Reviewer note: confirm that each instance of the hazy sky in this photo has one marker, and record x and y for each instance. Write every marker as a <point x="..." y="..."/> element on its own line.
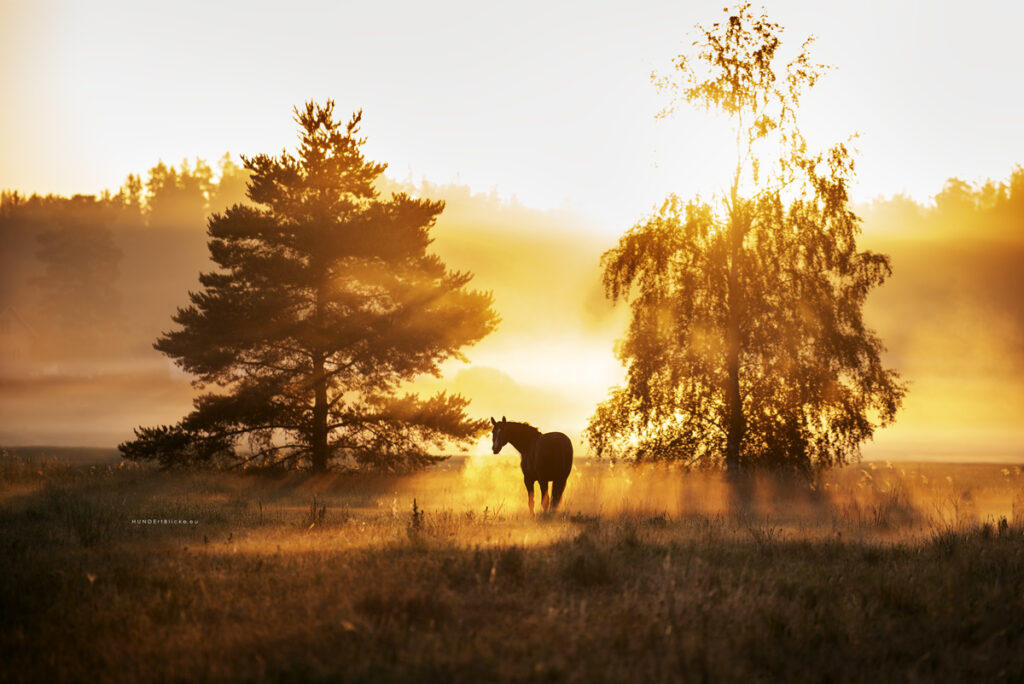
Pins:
<point x="547" y="101"/>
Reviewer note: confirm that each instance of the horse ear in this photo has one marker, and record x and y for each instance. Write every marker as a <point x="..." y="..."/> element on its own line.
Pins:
<point x="503" y="419"/>
<point x="493" y="422"/>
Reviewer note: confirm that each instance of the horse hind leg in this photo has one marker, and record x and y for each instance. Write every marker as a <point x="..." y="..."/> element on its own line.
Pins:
<point x="544" y="500"/>
<point x="558" y="488"/>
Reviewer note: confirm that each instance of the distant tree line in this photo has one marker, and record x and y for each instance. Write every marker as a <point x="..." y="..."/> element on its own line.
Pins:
<point x="992" y="210"/>
<point x="64" y="259"/>
<point x="87" y="270"/>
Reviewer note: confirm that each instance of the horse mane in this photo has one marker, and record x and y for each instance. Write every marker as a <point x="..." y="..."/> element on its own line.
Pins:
<point x="521" y="427"/>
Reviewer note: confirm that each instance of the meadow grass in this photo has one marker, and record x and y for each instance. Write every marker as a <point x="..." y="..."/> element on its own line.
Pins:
<point x="871" y="573"/>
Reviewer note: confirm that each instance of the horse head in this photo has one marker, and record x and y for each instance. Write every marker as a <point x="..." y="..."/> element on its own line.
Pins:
<point x="499" y="435"/>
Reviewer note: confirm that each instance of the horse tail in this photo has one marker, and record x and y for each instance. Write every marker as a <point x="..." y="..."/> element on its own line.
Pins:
<point x="565" y="454"/>
<point x="562" y="466"/>
<point x="557" y="489"/>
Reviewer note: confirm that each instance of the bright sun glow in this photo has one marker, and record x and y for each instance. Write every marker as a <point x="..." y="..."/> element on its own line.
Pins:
<point x="535" y="122"/>
<point x="553" y="116"/>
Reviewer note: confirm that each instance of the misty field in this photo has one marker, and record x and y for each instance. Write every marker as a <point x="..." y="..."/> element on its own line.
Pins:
<point x="876" y="572"/>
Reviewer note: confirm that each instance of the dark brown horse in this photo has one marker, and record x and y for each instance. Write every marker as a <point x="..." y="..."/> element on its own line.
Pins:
<point x="544" y="458"/>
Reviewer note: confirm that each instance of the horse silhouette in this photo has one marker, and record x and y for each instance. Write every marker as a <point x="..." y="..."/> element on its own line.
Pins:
<point x="544" y="458"/>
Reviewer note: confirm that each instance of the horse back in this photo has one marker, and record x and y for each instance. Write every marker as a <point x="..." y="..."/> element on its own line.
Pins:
<point x="553" y="456"/>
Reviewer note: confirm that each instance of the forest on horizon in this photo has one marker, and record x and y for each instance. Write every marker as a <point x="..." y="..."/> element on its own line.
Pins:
<point x="88" y="282"/>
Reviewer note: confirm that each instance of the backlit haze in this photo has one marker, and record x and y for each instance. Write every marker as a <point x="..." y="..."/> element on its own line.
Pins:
<point x="535" y="121"/>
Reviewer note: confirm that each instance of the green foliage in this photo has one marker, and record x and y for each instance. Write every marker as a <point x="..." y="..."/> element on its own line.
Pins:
<point x="326" y="301"/>
<point x="747" y="345"/>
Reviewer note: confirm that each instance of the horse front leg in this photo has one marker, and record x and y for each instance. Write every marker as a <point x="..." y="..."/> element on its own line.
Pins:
<point x="529" y="492"/>
<point x="544" y="499"/>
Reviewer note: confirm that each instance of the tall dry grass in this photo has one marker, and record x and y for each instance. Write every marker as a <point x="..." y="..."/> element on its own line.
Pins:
<point x="891" y="572"/>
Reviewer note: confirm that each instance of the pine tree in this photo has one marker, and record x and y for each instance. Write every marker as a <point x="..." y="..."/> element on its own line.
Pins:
<point x="325" y="302"/>
<point x="747" y="345"/>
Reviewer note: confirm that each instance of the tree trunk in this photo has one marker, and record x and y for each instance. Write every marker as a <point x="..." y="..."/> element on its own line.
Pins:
<point x="733" y="342"/>
<point x="319" y="432"/>
<point x="733" y="399"/>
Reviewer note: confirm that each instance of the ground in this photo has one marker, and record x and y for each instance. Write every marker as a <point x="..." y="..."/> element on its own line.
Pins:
<point x="874" y="572"/>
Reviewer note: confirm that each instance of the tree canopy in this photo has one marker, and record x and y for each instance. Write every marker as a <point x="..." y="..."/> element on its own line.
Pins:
<point x="325" y="303"/>
<point x="747" y="345"/>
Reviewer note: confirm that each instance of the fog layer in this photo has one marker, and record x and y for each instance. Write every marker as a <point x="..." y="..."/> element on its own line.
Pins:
<point x="88" y="283"/>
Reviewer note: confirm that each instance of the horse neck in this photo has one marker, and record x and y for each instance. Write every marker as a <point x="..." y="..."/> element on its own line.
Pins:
<point x="523" y="438"/>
